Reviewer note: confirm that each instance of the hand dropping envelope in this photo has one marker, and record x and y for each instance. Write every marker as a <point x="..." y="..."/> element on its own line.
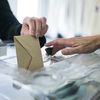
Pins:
<point x="28" y="52"/>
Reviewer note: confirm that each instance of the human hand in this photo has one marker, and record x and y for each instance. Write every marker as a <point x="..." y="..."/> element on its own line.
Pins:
<point x="75" y="45"/>
<point x="34" y="26"/>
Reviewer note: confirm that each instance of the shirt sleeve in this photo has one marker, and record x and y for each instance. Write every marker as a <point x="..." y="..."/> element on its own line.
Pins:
<point x="9" y="25"/>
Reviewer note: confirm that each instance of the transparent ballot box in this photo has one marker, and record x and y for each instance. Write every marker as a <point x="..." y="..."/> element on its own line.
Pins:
<point x="75" y="78"/>
<point x="13" y="90"/>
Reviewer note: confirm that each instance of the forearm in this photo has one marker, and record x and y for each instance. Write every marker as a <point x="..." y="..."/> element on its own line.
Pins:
<point x="9" y="25"/>
<point x="14" y="30"/>
<point x="97" y="41"/>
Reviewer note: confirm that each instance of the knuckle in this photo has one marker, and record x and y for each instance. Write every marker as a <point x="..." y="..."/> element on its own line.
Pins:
<point x="68" y="51"/>
<point x="44" y="19"/>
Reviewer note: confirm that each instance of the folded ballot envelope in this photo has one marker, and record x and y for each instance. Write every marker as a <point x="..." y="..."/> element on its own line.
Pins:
<point x="28" y="52"/>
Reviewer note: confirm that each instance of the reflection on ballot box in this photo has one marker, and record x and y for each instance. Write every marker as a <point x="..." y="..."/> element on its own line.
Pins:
<point x="10" y="54"/>
<point x="3" y="48"/>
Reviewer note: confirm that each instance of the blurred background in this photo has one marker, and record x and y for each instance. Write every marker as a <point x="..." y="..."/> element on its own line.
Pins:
<point x="66" y="18"/>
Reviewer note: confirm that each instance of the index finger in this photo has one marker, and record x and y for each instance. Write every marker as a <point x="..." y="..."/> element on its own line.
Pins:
<point x="63" y="42"/>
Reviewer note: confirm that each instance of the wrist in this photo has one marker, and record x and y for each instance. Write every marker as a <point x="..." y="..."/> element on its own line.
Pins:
<point x="97" y="41"/>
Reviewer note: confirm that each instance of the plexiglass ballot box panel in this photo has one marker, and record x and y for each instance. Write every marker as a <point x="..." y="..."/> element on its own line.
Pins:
<point x="13" y="88"/>
<point x="3" y="48"/>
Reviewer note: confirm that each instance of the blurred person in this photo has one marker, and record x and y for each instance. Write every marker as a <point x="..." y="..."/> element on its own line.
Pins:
<point x="10" y="26"/>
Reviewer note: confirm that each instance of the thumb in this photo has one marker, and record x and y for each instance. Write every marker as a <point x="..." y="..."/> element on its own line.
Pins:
<point x="49" y="43"/>
<point x="70" y="50"/>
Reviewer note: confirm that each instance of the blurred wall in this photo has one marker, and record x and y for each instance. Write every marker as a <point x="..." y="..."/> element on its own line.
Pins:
<point x="13" y="5"/>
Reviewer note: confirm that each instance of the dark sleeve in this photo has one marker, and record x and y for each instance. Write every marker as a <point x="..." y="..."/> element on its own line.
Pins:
<point x="9" y="25"/>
